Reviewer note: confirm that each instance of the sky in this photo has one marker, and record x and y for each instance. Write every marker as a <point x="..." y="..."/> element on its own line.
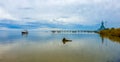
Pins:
<point x="64" y="14"/>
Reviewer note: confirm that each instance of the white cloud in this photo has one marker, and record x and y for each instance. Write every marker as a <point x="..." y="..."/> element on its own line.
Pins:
<point x="5" y="15"/>
<point x="84" y="12"/>
<point x="45" y="29"/>
<point x="70" y="20"/>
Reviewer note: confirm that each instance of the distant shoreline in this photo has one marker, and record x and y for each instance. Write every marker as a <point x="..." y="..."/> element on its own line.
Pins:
<point x="110" y="32"/>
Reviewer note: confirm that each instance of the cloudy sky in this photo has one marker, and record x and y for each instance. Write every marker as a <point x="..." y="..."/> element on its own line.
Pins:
<point x="59" y="13"/>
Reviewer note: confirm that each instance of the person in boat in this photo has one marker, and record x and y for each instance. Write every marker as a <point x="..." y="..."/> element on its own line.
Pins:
<point x="64" y="40"/>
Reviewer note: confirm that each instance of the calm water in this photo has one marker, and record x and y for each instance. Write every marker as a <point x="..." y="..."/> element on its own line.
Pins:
<point x="48" y="47"/>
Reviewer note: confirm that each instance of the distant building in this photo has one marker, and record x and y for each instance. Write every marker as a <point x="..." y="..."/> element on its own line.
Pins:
<point x="102" y="27"/>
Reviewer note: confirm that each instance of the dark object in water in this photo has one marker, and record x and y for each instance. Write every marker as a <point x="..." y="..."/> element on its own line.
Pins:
<point x="24" y="32"/>
<point x="66" y="40"/>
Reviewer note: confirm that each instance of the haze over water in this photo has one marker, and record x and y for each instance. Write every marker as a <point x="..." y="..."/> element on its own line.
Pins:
<point x="48" y="47"/>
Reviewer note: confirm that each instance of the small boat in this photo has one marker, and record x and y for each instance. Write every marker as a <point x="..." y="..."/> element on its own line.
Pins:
<point x="24" y="32"/>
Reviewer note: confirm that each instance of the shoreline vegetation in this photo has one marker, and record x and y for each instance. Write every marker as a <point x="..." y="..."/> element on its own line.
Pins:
<point x="112" y="34"/>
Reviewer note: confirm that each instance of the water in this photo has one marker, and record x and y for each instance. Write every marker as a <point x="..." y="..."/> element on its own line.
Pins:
<point x="48" y="47"/>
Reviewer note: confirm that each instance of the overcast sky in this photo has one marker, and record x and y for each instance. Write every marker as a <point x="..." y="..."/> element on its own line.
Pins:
<point x="64" y="12"/>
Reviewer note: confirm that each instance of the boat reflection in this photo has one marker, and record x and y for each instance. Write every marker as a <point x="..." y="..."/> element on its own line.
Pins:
<point x="24" y="33"/>
<point x="64" y="40"/>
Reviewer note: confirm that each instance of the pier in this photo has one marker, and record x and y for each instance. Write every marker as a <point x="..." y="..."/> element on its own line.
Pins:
<point x="72" y="31"/>
<point x="102" y="27"/>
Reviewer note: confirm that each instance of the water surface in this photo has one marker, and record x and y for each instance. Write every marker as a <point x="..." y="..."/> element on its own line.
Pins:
<point x="48" y="47"/>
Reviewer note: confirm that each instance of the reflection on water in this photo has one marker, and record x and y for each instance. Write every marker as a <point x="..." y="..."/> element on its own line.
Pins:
<point x="48" y="47"/>
<point x="24" y="34"/>
<point x="102" y="38"/>
<point x="113" y="38"/>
